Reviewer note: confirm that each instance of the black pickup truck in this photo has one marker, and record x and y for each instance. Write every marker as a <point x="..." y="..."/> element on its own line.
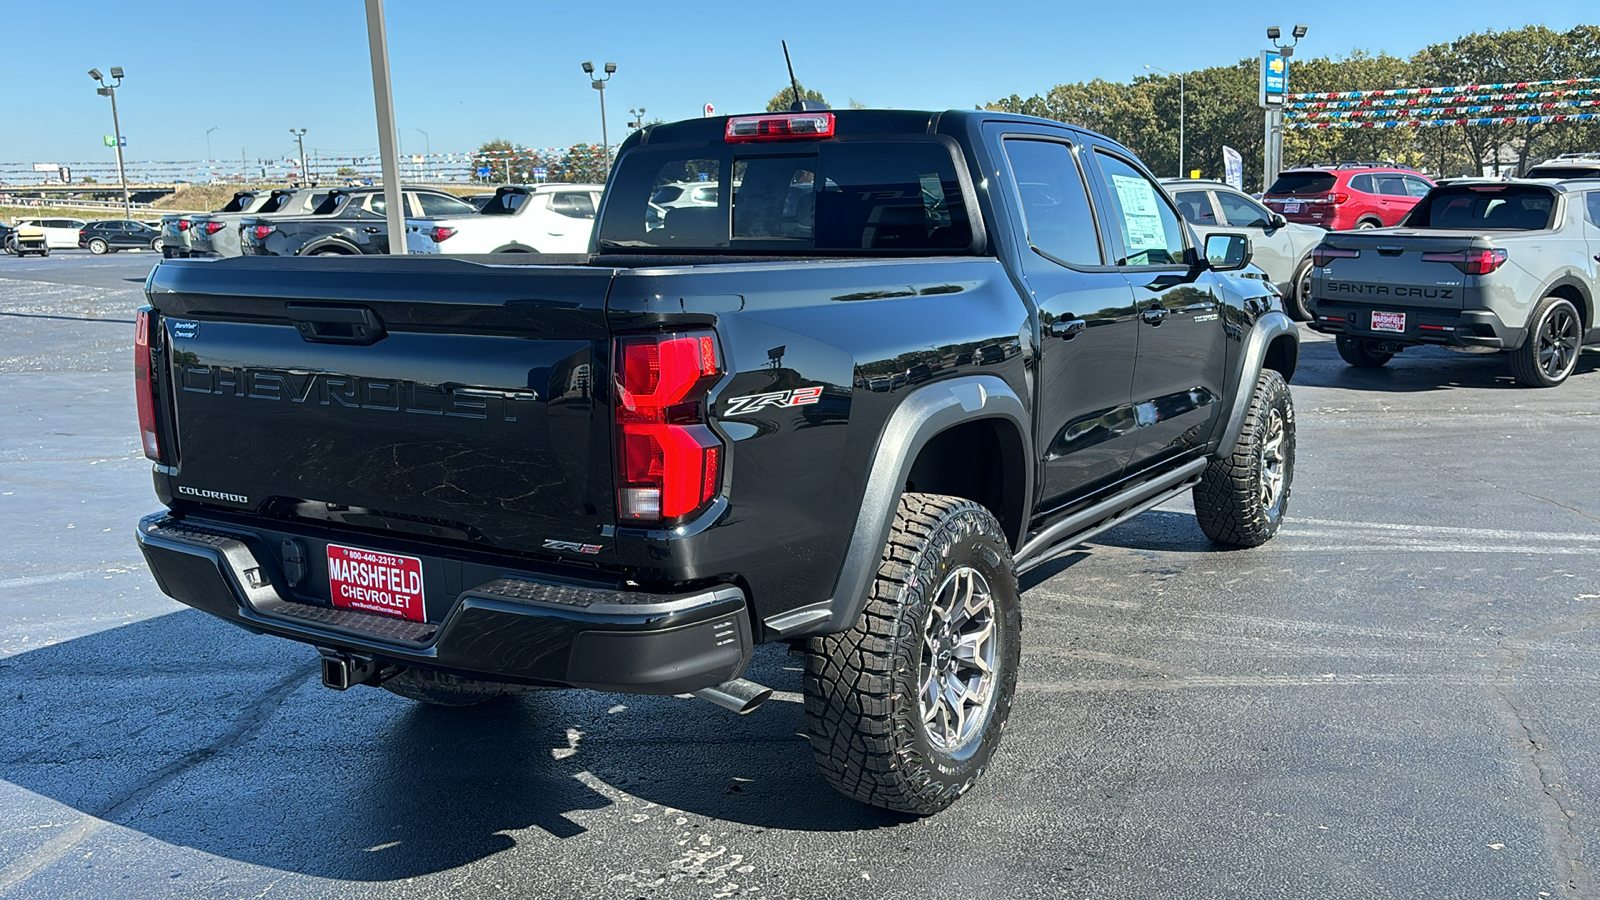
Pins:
<point x="907" y="357"/>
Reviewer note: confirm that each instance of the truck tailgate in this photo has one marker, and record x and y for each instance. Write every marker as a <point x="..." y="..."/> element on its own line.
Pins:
<point x="428" y="396"/>
<point x="1396" y="266"/>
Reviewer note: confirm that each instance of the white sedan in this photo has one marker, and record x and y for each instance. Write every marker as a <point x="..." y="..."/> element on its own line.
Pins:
<point x="549" y="218"/>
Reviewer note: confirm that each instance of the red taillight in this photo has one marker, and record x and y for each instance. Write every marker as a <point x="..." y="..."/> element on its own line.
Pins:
<point x="214" y="227"/>
<point x="440" y="233"/>
<point x="1322" y="253"/>
<point x="1472" y="262"/>
<point x="784" y="127"/>
<point x="83" y="233"/>
<point x="144" y="384"/>
<point x="260" y="232"/>
<point x="183" y="224"/>
<point x="1340" y="198"/>
<point x="668" y="459"/>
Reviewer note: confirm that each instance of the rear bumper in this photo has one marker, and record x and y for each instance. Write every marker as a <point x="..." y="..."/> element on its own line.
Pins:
<point x="1449" y="327"/>
<point x="514" y="626"/>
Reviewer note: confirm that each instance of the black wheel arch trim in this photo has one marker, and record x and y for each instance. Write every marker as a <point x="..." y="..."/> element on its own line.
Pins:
<point x="1569" y="279"/>
<point x="922" y="415"/>
<point x="325" y="243"/>
<point x="1268" y="329"/>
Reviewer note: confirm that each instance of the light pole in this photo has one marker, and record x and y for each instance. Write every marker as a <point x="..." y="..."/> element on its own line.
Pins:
<point x="1272" y="153"/>
<point x="110" y="90"/>
<point x="599" y="84"/>
<point x="427" y="148"/>
<point x="638" y="118"/>
<point x="300" y="139"/>
<point x="1181" y="91"/>
<point x="208" y="141"/>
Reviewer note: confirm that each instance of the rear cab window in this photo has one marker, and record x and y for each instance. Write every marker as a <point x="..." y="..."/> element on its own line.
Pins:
<point x="1510" y="207"/>
<point x="238" y="203"/>
<point x="883" y="197"/>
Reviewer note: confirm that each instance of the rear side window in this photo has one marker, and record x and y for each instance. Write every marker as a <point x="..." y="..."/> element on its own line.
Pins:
<point x="1391" y="185"/>
<point x="1593" y="198"/>
<point x="1303" y="183"/>
<point x="1055" y="205"/>
<point x="440" y="205"/>
<point x="238" y="203"/>
<point x="874" y="196"/>
<point x="1196" y="207"/>
<point x="1151" y="233"/>
<point x="1506" y="207"/>
<point x="329" y="204"/>
<point x="572" y="204"/>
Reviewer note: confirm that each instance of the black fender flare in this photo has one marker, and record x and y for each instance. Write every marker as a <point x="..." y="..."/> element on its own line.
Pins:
<point x="1272" y="325"/>
<point x="922" y="415"/>
<point x="513" y="247"/>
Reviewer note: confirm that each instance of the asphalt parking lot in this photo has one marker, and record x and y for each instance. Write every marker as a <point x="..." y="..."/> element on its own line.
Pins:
<point x="1394" y="698"/>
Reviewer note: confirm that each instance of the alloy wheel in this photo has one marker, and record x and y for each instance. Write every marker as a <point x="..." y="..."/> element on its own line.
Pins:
<point x="1272" y="474"/>
<point x="1558" y="342"/>
<point x="959" y="647"/>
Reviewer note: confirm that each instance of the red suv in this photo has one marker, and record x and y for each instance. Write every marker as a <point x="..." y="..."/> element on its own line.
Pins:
<point x="1346" y="196"/>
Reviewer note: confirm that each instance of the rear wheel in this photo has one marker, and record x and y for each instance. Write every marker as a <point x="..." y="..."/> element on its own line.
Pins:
<point x="158" y="245"/>
<point x="1365" y="224"/>
<point x="905" y="709"/>
<point x="1241" y="499"/>
<point x="1361" y="353"/>
<point x="439" y="689"/>
<point x="98" y="247"/>
<point x="1298" y="298"/>
<point x="1549" y="353"/>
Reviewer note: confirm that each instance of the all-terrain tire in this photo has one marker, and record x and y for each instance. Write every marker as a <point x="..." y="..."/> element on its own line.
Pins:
<point x="1241" y="498"/>
<point x="441" y="689"/>
<point x="1297" y="301"/>
<point x="1550" y="350"/>
<point x="879" y="729"/>
<point x="1358" y="352"/>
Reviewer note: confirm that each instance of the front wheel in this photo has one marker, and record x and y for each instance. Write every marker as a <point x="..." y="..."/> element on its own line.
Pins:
<point x="1361" y="353"/>
<point x="905" y="709"/>
<point x="1549" y="352"/>
<point x="1241" y="498"/>
<point x="98" y="247"/>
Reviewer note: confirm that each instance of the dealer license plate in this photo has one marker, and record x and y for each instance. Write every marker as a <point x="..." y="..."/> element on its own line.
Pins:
<point x="1389" y="321"/>
<point x="1291" y="207"/>
<point x="370" y="581"/>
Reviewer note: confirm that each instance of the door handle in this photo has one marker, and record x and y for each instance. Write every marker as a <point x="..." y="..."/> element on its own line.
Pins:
<point x="1067" y="329"/>
<point x="1155" y="315"/>
<point x="372" y="229"/>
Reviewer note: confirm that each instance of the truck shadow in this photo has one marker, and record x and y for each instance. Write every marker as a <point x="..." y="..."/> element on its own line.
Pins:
<point x="1417" y="369"/>
<point x="232" y="748"/>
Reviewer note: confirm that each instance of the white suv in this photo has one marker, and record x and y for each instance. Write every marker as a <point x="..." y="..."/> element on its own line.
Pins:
<point x="59" y="234"/>
<point x="549" y="218"/>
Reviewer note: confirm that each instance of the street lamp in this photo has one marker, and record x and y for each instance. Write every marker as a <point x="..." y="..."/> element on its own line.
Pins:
<point x="427" y="146"/>
<point x="1179" y="76"/>
<point x="110" y="90"/>
<point x="300" y="139"/>
<point x="208" y="141"/>
<point x="638" y="118"/>
<point x="1273" y="33"/>
<point x="599" y="84"/>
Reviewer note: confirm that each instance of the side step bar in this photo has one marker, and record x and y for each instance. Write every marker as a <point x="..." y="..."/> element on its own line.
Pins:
<point x="1085" y="524"/>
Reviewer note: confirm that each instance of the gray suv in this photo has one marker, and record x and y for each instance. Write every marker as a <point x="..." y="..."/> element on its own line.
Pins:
<point x="1498" y="265"/>
<point x="1281" y="248"/>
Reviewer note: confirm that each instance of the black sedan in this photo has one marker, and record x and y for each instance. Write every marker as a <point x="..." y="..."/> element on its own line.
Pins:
<point x="111" y="235"/>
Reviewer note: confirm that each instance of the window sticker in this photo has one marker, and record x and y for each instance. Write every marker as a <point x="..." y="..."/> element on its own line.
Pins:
<point x="1141" y="214"/>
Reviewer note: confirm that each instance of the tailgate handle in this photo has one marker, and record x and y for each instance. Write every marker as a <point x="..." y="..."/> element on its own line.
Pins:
<point x="325" y="324"/>
<point x="1391" y="251"/>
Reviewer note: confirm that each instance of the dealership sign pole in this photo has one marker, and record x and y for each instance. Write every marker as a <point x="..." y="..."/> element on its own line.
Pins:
<point x="1273" y="86"/>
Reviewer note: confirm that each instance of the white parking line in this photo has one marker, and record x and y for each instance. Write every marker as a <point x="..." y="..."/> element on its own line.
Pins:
<point x="31" y="580"/>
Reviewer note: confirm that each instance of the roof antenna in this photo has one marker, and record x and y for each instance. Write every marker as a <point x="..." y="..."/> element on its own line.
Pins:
<point x="800" y="104"/>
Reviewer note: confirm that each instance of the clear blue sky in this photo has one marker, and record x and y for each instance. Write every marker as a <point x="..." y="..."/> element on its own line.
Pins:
<point x="469" y="71"/>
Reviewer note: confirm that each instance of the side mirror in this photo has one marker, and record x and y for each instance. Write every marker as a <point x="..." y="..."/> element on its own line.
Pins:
<point x="1227" y="252"/>
<point x="1277" y="220"/>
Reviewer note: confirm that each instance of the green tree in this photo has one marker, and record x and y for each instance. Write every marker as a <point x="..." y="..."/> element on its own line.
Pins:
<point x="781" y="101"/>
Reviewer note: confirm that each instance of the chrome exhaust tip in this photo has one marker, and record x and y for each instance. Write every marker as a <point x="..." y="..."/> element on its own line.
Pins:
<point x="739" y="695"/>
